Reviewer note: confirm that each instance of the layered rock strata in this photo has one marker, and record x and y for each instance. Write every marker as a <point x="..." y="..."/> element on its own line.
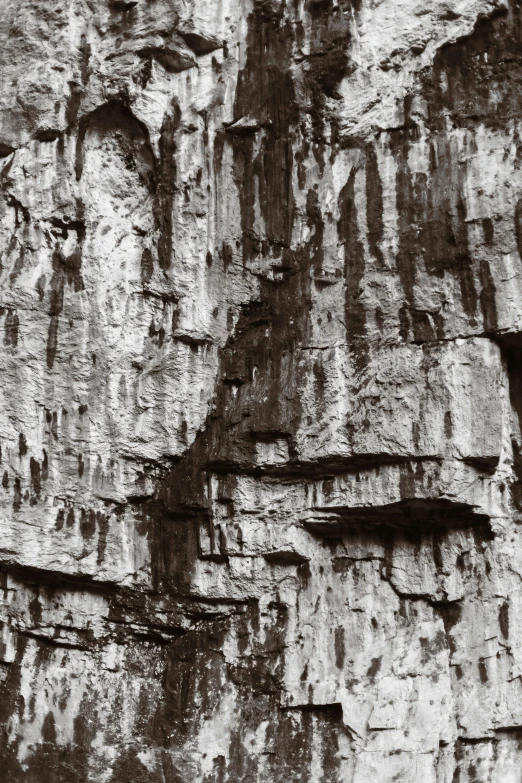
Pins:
<point x="261" y="391"/>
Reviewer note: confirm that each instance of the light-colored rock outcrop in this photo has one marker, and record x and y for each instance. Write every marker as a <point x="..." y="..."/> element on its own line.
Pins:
<point x="261" y="391"/>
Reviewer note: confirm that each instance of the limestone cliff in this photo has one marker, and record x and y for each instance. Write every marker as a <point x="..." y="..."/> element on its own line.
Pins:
<point x="261" y="391"/>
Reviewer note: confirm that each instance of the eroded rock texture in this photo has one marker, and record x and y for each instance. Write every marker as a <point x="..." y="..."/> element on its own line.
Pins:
<point x="261" y="391"/>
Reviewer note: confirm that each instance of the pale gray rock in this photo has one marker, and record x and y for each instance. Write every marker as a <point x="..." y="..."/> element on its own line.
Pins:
<point x="260" y="391"/>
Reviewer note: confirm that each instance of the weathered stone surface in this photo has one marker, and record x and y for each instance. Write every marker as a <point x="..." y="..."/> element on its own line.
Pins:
<point x="261" y="391"/>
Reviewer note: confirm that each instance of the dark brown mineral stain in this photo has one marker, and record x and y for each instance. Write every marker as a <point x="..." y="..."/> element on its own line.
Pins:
<point x="448" y="425"/>
<point x="330" y="727"/>
<point x="265" y="93"/>
<point x="339" y="647"/>
<point x="518" y="226"/>
<point x="147" y="265"/>
<point x="354" y="266"/>
<point x="195" y="673"/>
<point x="20" y="210"/>
<point x="432" y="230"/>
<point x="488" y="230"/>
<point x="60" y="518"/>
<point x="128" y="766"/>
<point x="17" y="494"/>
<point x="374" y="668"/>
<point x="22" y="445"/>
<point x="407" y="481"/>
<point x="258" y="399"/>
<point x="76" y="93"/>
<point x="102" y="523"/>
<point x="12" y="325"/>
<point x="316" y="221"/>
<point x="166" y="185"/>
<point x="374" y="204"/>
<point x="174" y="535"/>
<point x="85" y="51"/>
<point x="473" y="81"/>
<point x="430" y="647"/>
<point x="261" y="365"/>
<point x="51" y="761"/>
<point x="329" y="58"/>
<point x="36" y="476"/>
<point x="88" y="522"/>
<point x="49" y="729"/>
<point x="451" y="614"/>
<point x="483" y="671"/>
<point x="487" y="297"/>
<point x="66" y="270"/>
<point x="512" y="357"/>
<point x="503" y="619"/>
<point x="477" y="68"/>
<point x="13" y="703"/>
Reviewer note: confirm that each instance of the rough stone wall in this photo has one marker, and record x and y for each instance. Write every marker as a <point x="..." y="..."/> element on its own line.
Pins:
<point x="261" y="391"/>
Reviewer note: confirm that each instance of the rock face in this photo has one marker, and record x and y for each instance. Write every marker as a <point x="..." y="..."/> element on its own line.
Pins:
<point x="261" y="391"/>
